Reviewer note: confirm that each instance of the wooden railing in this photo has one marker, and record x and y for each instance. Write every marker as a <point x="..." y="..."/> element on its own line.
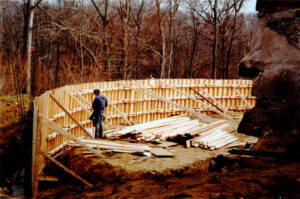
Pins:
<point x="68" y="108"/>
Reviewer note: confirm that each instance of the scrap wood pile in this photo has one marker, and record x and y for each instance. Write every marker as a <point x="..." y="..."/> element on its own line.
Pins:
<point x="107" y="145"/>
<point x="114" y="146"/>
<point x="211" y="136"/>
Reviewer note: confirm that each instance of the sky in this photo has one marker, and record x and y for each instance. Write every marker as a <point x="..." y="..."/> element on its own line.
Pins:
<point x="249" y="6"/>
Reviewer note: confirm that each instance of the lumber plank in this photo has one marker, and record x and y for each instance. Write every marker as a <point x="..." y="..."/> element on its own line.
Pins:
<point x="209" y="126"/>
<point x="78" y="101"/>
<point x="166" y="144"/>
<point x="115" y="144"/>
<point x="65" y="133"/>
<point x="160" y="152"/>
<point x="225" y="110"/>
<point x="66" y="169"/>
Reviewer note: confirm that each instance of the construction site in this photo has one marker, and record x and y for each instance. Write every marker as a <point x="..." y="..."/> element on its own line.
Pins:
<point x="166" y="137"/>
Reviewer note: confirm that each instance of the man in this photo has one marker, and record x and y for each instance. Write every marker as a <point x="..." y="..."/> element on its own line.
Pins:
<point x="99" y="104"/>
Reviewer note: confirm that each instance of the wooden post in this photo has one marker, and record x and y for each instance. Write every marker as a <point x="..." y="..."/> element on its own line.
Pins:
<point x="150" y="93"/>
<point x="35" y="155"/>
<point x="69" y="114"/>
<point x="65" y="133"/>
<point x="66" y="169"/>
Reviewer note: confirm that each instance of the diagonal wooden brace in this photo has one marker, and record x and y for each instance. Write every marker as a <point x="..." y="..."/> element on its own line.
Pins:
<point x="65" y="168"/>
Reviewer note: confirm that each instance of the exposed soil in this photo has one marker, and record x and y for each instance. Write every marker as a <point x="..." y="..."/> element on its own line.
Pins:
<point x="239" y="178"/>
<point x="191" y="173"/>
<point x="12" y="153"/>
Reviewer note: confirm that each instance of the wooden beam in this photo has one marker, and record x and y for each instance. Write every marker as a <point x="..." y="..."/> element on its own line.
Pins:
<point x="196" y="100"/>
<point x="80" y="96"/>
<point x="35" y="156"/>
<point x="209" y="119"/>
<point x="79" y="102"/>
<point x="225" y="110"/>
<point x="122" y="115"/>
<point x="243" y="98"/>
<point x="65" y="133"/>
<point x="208" y="101"/>
<point x="66" y="169"/>
<point x="201" y="116"/>
<point x="69" y="114"/>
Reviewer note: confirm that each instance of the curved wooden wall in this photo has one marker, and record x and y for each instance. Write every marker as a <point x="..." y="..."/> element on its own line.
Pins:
<point x="137" y="107"/>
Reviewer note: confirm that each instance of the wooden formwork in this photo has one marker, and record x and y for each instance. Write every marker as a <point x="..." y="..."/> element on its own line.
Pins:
<point x="67" y="109"/>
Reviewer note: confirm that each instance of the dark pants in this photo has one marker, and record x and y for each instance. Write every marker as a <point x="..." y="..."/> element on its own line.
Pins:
<point x="98" y="124"/>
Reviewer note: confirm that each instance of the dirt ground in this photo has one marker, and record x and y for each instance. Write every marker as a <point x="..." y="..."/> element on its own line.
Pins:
<point x="241" y="177"/>
<point x="12" y="153"/>
<point x="189" y="174"/>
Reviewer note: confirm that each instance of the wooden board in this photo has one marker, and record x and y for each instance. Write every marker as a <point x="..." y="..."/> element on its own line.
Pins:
<point x="165" y="144"/>
<point x="160" y="152"/>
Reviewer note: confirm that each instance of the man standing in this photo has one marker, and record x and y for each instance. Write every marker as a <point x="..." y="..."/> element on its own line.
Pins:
<point x="99" y="104"/>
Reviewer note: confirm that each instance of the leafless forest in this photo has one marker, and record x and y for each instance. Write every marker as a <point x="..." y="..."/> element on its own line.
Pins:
<point x="75" y="41"/>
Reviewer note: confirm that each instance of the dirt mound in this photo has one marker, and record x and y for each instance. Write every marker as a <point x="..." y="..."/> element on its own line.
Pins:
<point x="100" y="172"/>
<point x="247" y="177"/>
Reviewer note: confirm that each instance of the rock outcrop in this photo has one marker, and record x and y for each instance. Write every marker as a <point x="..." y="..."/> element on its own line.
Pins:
<point x="275" y="63"/>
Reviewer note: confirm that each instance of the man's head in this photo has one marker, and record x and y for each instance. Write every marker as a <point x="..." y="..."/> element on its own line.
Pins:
<point x="96" y="91"/>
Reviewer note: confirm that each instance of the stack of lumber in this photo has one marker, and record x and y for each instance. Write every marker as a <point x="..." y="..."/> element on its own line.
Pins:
<point x="211" y="136"/>
<point x="158" y="129"/>
<point x="114" y="146"/>
<point x="215" y="135"/>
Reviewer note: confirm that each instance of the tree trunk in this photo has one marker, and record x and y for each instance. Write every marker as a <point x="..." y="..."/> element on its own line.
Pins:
<point x="163" y="41"/>
<point x="215" y="42"/>
<point x="29" y="25"/>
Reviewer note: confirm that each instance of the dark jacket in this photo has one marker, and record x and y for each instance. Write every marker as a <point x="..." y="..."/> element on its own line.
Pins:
<point x="99" y="105"/>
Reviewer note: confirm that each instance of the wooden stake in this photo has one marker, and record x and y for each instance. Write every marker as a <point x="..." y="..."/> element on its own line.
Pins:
<point x="66" y="169"/>
<point x="69" y="114"/>
<point x="35" y="156"/>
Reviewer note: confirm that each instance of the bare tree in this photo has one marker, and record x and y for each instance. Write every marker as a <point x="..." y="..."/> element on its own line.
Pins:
<point x="30" y="7"/>
<point x="162" y="38"/>
<point x="104" y="15"/>
<point x="138" y="20"/>
<point x="237" y="7"/>
<point x="173" y="8"/>
<point x="125" y="16"/>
